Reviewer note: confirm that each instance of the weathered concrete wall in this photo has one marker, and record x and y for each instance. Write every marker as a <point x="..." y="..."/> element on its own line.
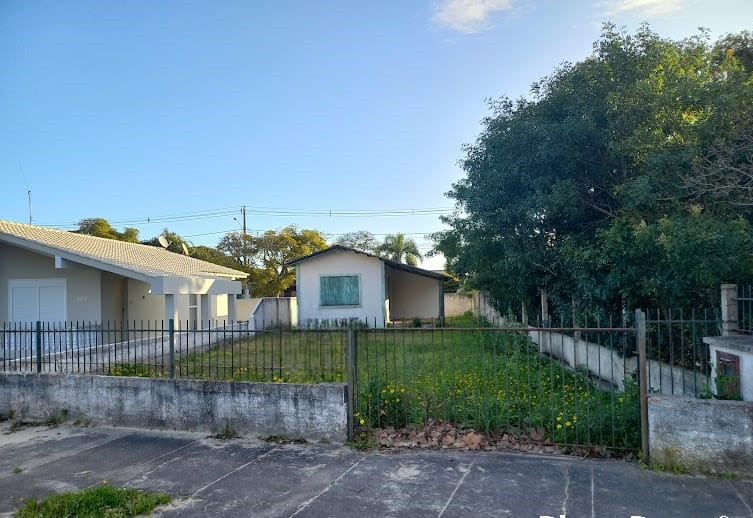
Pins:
<point x="702" y="435"/>
<point x="607" y="364"/>
<point x="292" y="410"/>
<point x="457" y="304"/>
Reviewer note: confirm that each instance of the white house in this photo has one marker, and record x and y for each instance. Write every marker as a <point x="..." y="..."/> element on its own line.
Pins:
<point x="341" y="283"/>
<point x="56" y="276"/>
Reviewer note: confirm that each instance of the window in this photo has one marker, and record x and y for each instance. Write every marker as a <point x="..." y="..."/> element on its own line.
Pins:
<point x="339" y="290"/>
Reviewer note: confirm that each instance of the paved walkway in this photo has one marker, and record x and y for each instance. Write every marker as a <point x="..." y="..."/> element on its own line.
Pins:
<point x="245" y="477"/>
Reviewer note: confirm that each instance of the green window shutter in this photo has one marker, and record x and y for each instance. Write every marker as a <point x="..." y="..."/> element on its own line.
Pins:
<point x="339" y="290"/>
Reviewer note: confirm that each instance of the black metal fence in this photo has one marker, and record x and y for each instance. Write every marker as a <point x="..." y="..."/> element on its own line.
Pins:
<point x="497" y="381"/>
<point x="174" y="349"/>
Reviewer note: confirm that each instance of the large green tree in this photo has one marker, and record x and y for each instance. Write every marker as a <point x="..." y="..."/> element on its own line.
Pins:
<point x="100" y="227"/>
<point x="605" y="153"/>
<point x="265" y="257"/>
<point x="270" y="274"/>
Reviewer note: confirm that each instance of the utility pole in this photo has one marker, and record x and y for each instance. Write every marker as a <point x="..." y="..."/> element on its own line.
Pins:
<point x="243" y="211"/>
<point x="29" y="193"/>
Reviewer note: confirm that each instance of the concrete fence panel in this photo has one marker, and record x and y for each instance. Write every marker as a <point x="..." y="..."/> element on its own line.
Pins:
<point x="286" y="409"/>
<point x="701" y="435"/>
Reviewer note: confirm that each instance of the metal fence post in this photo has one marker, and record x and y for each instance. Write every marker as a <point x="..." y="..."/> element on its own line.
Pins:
<point x="38" y="344"/>
<point x="171" y="341"/>
<point x="351" y="363"/>
<point x="729" y="309"/>
<point x="640" y="337"/>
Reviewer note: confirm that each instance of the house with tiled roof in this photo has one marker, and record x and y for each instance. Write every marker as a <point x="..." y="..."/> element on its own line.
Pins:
<point x="53" y="275"/>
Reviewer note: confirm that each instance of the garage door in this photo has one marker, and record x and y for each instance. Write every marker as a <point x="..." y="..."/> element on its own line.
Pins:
<point x="37" y="299"/>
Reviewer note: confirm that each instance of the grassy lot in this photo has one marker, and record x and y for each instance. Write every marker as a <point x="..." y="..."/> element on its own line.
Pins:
<point x="490" y="381"/>
<point x="484" y="379"/>
<point x="94" y="502"/>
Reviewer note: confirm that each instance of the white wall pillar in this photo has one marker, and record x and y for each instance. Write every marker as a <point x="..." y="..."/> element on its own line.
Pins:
<point x="232" y="308"/>
<point x="171" y="308"/>
<point x="205" y="305"/>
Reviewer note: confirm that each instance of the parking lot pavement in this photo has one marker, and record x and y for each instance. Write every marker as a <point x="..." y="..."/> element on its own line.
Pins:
<point x="247" y="477"/>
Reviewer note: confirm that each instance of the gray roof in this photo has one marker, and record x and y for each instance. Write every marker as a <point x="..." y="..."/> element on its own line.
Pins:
<point x="146" y="260"/>
<point x="388" y="262"/>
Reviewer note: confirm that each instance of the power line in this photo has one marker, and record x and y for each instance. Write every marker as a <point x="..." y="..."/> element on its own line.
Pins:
<point x="271" y="211"/>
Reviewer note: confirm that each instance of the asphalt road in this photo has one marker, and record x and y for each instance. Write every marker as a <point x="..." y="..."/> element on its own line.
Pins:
<point x="247" y="477"/>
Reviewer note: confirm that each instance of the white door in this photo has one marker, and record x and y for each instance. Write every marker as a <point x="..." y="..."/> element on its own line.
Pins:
<point x="36" y="299"/>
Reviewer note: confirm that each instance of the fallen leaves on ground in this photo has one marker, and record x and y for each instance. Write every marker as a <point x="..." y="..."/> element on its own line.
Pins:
<point x="441" y="435"/>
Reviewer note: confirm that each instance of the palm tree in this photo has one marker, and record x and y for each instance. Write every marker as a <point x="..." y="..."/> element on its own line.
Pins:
<point x="399" y="249"/>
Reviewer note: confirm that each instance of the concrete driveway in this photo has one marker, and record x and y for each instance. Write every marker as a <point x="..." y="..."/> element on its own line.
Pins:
<point x="247" y="477"/>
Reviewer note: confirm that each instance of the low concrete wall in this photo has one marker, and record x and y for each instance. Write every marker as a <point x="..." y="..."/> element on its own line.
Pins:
<point x="701" y="435"/>
<point x="292" y="410"/>
<point x="457" y="304"/>
<point x="608" y="365"/>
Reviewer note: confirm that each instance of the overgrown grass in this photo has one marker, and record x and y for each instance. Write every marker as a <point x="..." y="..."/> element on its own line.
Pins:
<point x="485" y="379"/>
<point x="94" y="502"/>
<point x="490" y="381"/>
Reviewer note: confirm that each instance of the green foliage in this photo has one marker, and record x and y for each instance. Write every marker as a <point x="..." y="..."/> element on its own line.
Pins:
<point x="491" y="382"/>
<point x="603" y="182"/>
<point x="175" y="242"/>
<point x="94" y="502"/>
<point x="265" y="257"/>
<point x="100" y="227"/>
<point x="137" y="370"/>
<point x="400" y="249"/>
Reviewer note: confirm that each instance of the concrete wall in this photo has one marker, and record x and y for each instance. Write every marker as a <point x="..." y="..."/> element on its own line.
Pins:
<point x="340" y="262"/>
<point x="457" y="304"/>
<point x="413" y="296"/>
<point x="610" y="366"/>
<point x="292" y="410"/>
<point x="270" y="312"/>
<point x="701" y="435"/>
<point x="83" y="292"/>
<point x="244" y="307"/>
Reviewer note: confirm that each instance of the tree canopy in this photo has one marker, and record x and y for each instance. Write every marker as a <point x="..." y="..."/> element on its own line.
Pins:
<point x="269" y="273"/>
<point x="398" y="248"/>
<point x="100" y="227"/>
<point x="602" y="184"/>
<point x="360" y="240"/>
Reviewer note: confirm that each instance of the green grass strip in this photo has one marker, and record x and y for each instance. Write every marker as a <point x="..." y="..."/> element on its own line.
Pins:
<point x="94" y="502"/>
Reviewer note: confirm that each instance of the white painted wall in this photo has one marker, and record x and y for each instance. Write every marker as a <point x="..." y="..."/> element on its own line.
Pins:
<point x="340" y="262"/>
<point x="83" y="294"/>
<point x="413" y="296"/>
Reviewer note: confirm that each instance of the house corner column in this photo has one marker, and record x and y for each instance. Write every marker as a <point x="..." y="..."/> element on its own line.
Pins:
<point x="171" y="308"/>
<point x="232" y="308"/>
<point x="206" y="310"/>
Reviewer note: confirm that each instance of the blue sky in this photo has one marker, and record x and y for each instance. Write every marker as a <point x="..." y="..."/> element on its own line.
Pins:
<point x="140" y="110"/>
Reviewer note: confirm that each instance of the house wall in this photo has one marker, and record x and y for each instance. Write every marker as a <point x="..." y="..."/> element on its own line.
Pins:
<point x="146" y="307"/>
<point x="83" y="289"/>
<point x="340" y="262"/>
<point x="112" y="293"/>
<point x="413" y="296"/>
